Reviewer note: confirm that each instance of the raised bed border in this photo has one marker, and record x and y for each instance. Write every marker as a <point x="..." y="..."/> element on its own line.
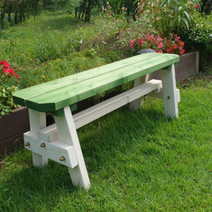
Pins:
<point x="12" y="127"/>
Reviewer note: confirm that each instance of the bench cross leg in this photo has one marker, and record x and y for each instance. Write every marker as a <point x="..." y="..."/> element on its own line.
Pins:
<point x="169" y="92"/>
<point x="68" y="134"/>
<point x="37" y="122"/>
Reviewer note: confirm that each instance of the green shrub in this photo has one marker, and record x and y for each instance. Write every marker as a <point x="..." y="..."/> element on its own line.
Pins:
<point x="199" y="37"/>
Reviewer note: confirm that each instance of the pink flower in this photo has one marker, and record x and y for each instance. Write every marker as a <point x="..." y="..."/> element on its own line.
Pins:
<point x="132" y="43"/>
<point x="141" y="41"/>
<point x="152" y="36"/>
<point x="159" y="38"/>
<point x="160" y="46"/>
<point x="123" y="8"/>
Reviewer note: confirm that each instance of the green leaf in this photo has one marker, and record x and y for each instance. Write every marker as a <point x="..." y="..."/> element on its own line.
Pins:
<point x="179" y="19"/>
<point x="171" y="23"/>
<point x="2" y="113"/>
<point x="186" y="23"/>
<point x="6" y="85"/>
<point x="187" y="15"/>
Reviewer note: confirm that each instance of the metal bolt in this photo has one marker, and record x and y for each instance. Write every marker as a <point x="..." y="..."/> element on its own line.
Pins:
<point x="62" y="158"/>
<point x="43" y="145"/>
<point x="27" y="144"/>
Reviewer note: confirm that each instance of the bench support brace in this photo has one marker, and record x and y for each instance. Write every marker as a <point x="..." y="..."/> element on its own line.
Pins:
<point x="136" y="104"/>
<point x="37" y="122"/>
<point x="169" y="92"/>
<point x="68" y="134"/>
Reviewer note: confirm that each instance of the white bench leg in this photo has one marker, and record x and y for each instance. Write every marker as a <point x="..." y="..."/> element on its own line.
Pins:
<point x="136" y="104"/>
<point x="37" y="121"/>
<point x="68" y="134"/>
<point x="169" y="92"/>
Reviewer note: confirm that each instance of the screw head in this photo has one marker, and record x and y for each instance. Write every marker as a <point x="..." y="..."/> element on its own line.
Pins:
<point x="62" y="158"/>
<point x="43" y="145"/>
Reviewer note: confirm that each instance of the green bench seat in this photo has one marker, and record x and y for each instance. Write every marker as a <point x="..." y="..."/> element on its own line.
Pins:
<point x="59" y="141"/>
<point x="55" y="95"/>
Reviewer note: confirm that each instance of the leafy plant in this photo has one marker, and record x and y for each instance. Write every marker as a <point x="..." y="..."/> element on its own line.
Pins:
<point x="168" y="16"/>
<point x="199" y="37"/>
<point x="7" y="90"/>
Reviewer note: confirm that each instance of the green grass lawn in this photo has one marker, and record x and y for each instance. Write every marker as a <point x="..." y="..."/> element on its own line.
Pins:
<point x="137" y="161"/>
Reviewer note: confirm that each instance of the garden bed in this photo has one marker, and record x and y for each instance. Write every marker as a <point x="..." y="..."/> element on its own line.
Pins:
<point x="12" y="128"/>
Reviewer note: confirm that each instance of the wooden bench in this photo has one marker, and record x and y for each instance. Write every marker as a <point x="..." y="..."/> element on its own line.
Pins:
<point x="59" y="141"/>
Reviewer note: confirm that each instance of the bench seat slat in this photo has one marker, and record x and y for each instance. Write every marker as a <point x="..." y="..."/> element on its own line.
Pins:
<point x="73" y="79"/>
<point x="89" y="83"/>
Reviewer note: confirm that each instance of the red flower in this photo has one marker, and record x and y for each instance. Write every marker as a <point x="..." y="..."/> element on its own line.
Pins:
<point x="6" y="66"/>
<point x="11" y="71"/>
<point x="3" y="62"/>
<point x="195" y="6"/>
<point x="5" y="70"/>
<point x="17" y="76"/>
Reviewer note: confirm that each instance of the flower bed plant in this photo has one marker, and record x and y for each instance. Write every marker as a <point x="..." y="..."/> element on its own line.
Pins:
<point x="171" y="44"/>
<point x="6" y="89"/>
<point x="168" y="16"/>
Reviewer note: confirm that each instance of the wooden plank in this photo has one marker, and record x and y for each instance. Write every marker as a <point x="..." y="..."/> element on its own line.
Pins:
<point x="67" y="95"/>
<point x="37" y="121"/>
<point x="48" y="134"/>
<point x="76" y="78"/>
<point x="160" y="94"/>
<point x="135" y="105"/>
<point x="169" y="92"/>
<point x="68" y="134"/>
<point x="82" y="118"/>
<point x="53" y="151"/>
<point x="114" y="103"/>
